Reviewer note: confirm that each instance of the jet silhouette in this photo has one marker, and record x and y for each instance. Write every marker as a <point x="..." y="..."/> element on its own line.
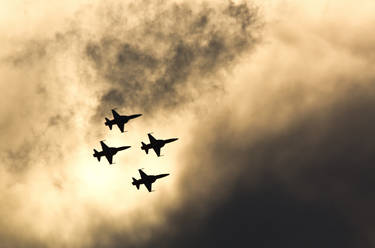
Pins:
<point x="156" y="144"/>
<point x="119" y="120"/>
<point x="108" y="152"/>
<point x="147" y="180"/>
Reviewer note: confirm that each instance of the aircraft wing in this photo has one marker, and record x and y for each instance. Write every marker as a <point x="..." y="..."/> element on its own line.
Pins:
<point x="104" y="146"/>
<point x="148" y="186"/>
<point x="157" y="150"/>
<point x="143" y="175"/>
<point x="121" y="126"/>
<point x="151" y="138"/>
<point x="115" y="114"/>
<point x="109" y="158"/>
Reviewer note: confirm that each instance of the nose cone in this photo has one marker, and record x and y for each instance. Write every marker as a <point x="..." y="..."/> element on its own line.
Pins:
<point x="170" y="140"/>
<point x="137" y="115"/>
<point x="123" y="148"/>
<point x="163" y="175"/>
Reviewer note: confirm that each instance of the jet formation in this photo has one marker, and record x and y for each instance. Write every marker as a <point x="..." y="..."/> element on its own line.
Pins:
<point x="109" y="152"/>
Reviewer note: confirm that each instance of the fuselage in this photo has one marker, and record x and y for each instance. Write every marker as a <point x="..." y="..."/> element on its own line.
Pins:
<point x="124" y="118"/>
<point x="159" y="143"/>
<point x="149" y="179"/>
<point x="120" y="120"/>
<point x="110" y="151"/>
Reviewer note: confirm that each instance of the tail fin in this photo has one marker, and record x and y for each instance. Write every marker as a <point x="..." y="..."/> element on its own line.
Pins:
<point x="135" y="182"/>
<point x="108" y="123"/>
<point x="96" y="155"/>
<point x="144" y="147"/>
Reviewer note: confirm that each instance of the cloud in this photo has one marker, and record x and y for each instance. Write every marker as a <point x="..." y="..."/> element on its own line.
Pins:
<point x="305" y="185"/>
<point x="168" y="57"/>
<point x="286" y="159"/>
<point x="308" y="184"/>
<point x="54" y="93"/>
<point x="282" y="159"/>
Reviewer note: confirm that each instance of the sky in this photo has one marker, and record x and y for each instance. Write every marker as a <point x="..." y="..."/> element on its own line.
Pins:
<point x="272" y="102"/>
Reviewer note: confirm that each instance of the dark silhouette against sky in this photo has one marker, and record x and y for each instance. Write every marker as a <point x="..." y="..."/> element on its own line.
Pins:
<point x="147" y="180"/>
<point x="108" y="152"/>
<point x="119" y="120"/>
<point x="156" y="144"/>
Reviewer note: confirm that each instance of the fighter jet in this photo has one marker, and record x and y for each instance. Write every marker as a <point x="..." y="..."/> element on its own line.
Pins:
<point x="108" y="152"/>
<point x="156" y="144"/>
<point x="147" y="180"/>
<point x="119" y="120"/>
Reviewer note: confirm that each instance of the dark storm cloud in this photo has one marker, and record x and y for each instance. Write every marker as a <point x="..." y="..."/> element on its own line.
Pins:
<point x="316" y="181"/>
<point x="161" y="62"/>
<point x="265" y="217"/>
<point x="310" y="184"/>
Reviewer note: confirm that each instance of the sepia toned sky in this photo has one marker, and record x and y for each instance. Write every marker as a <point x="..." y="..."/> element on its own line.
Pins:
<point x="272" y="102"/>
